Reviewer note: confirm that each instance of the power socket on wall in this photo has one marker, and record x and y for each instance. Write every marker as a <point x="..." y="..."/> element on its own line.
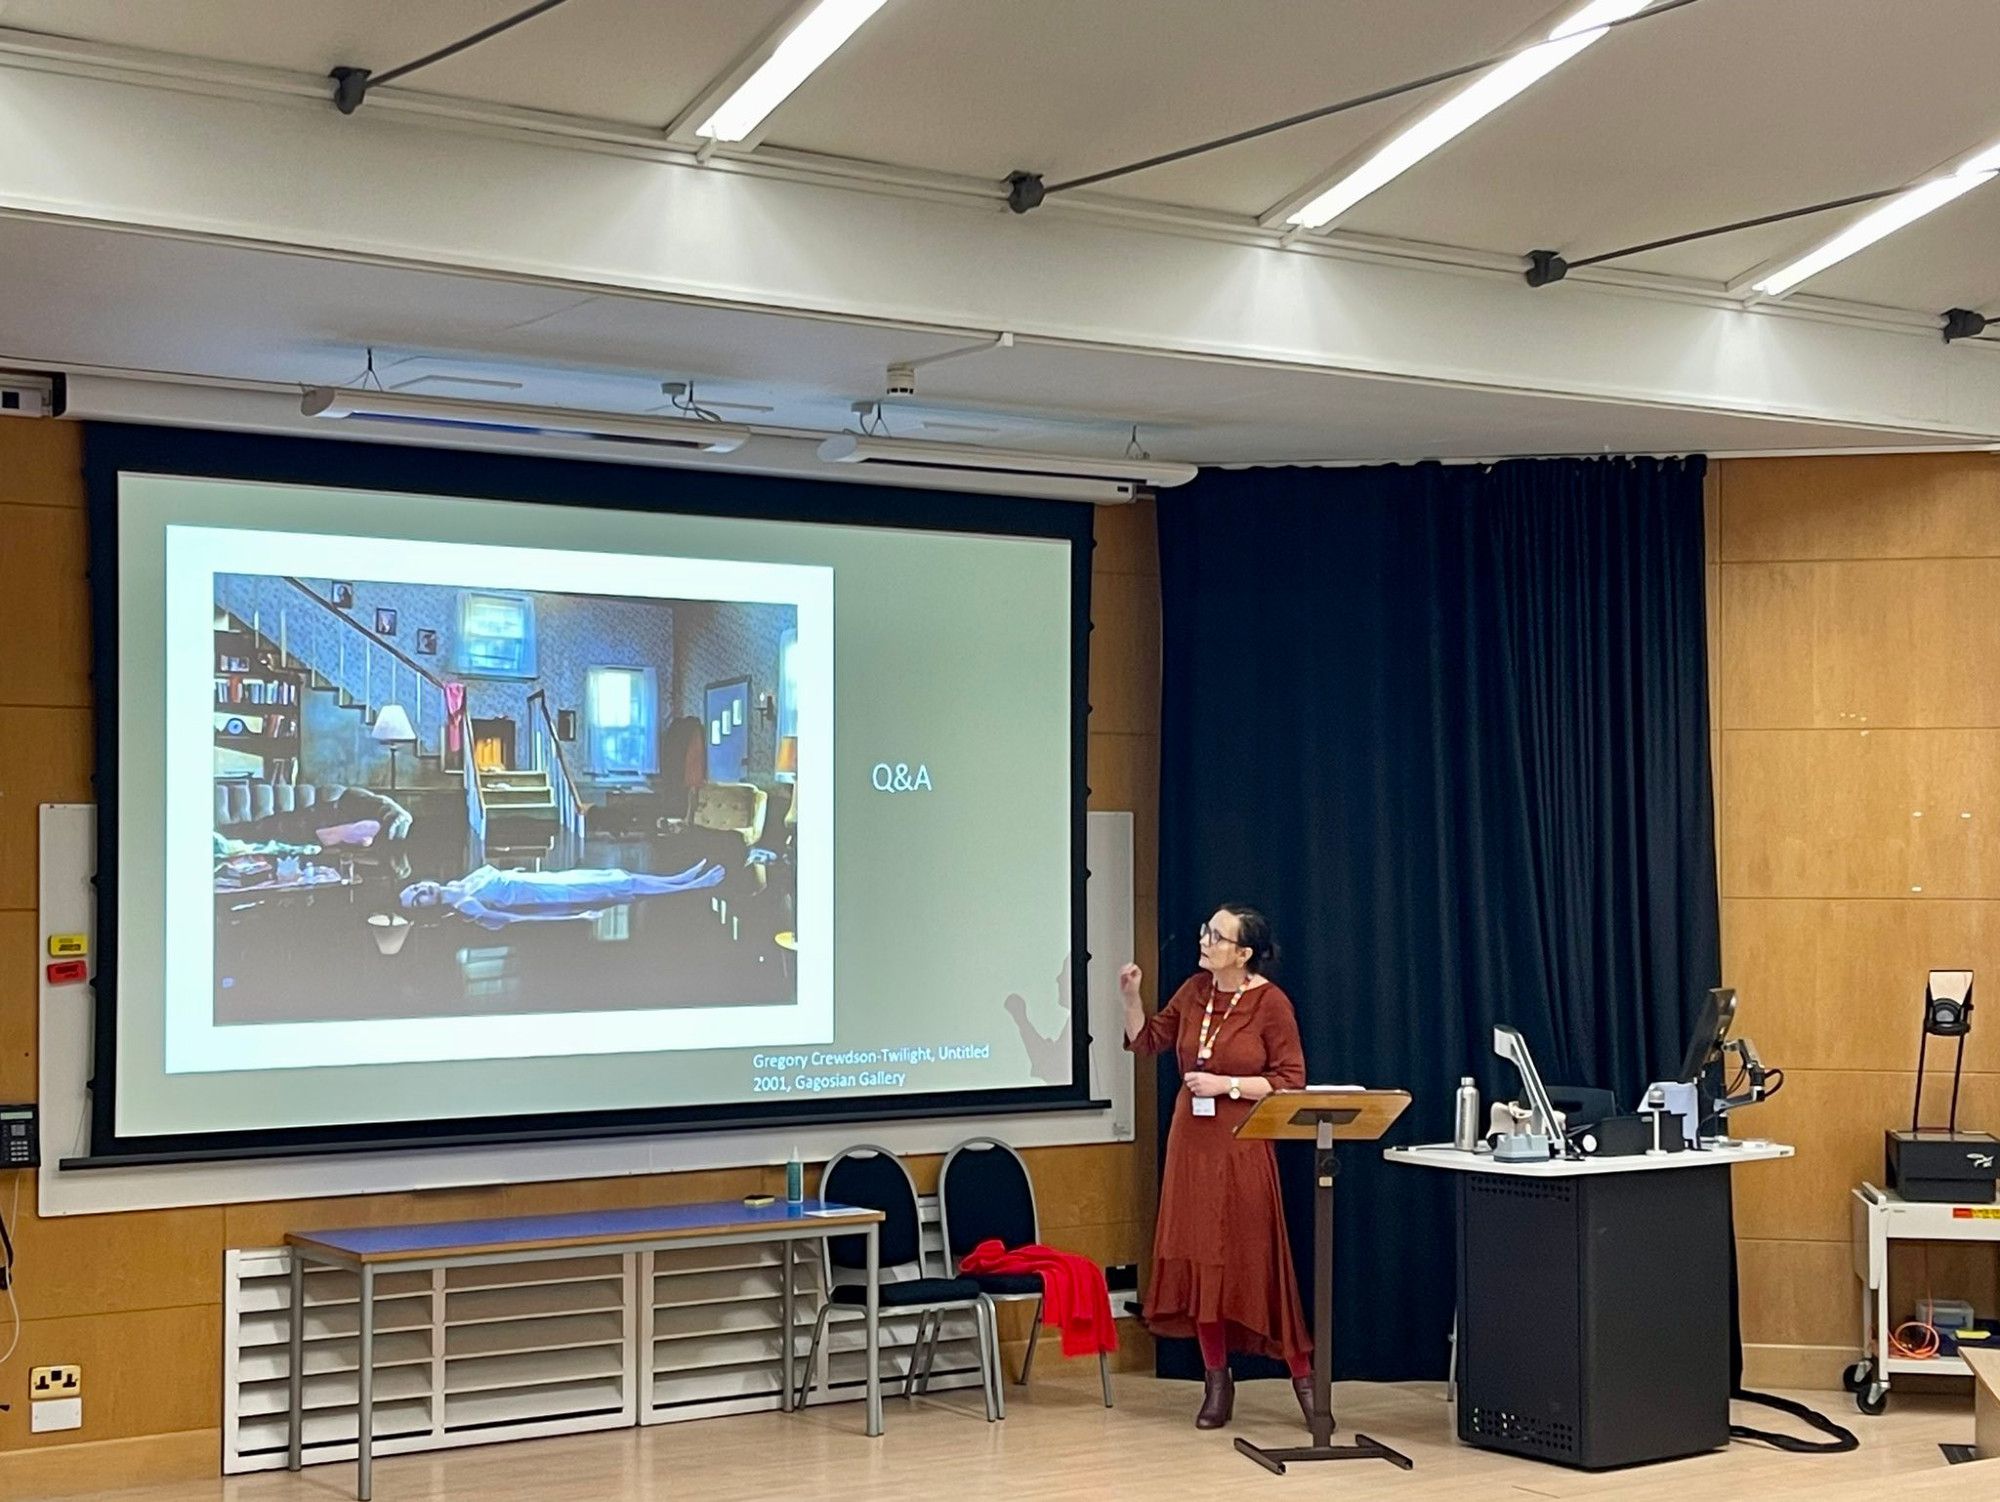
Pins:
<point x="56" y="1401"/>
<point x="46" y="1382"/>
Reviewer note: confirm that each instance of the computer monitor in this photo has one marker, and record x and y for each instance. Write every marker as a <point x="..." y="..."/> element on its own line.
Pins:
<point x="1711" y="1029"/>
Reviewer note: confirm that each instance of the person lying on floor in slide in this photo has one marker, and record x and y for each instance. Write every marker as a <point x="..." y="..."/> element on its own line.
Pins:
<point x="494" y="898"/>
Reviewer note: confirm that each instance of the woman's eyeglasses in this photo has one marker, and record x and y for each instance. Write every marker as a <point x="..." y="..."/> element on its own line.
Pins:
<point x="1212" y="935"/>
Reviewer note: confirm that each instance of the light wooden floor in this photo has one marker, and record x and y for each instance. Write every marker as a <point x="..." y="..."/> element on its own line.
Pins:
<point x="1058" y="1443"/>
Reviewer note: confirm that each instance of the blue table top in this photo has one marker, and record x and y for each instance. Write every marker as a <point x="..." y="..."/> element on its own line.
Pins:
<point x="582" y="1228"/>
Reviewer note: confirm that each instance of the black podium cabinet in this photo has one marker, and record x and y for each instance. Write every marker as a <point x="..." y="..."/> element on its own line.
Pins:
<point x="1593" y="1304"/>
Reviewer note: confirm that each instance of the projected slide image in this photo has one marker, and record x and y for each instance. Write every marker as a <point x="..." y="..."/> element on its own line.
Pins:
<point x="434" y="808"/>
<point x="466" y="799"/>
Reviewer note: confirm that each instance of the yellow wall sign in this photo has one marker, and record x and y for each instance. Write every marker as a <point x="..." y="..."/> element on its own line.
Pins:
<point x="68" y="946"/>
<point x="1965" y="1212"/>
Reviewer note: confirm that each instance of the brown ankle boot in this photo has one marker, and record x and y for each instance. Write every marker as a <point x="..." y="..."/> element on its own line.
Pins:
<point x="1303" y="1386"/>
<point x="1218" y="1399"/>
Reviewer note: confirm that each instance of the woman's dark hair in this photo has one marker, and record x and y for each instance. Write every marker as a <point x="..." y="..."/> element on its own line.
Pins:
<point x="1253" y="932"/>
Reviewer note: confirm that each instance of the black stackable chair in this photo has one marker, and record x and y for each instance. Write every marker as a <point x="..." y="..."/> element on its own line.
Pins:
<point x="985" y="1194"/>
<point x="873" y="1178"/>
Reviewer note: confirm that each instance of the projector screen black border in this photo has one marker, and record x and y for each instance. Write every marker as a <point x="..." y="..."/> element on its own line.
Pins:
<point x="114" y="449"/>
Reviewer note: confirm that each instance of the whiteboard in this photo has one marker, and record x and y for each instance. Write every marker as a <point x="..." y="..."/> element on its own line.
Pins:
<point x="68" y="859"/>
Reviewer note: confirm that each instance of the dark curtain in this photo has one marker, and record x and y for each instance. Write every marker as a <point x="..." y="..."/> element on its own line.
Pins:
<point x="1448" y="728"/>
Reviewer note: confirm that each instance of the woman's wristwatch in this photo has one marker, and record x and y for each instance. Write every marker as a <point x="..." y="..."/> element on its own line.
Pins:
<point x="1236" y="1089"/>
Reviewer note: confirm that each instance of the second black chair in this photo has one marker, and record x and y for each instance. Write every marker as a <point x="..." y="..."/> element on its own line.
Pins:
<point x="985" y="1194"/>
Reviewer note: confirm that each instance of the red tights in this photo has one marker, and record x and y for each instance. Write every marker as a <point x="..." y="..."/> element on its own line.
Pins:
<point x="1215" y="1351"/>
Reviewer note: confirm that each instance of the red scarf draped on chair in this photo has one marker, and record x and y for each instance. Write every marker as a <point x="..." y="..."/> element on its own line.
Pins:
<point x="1074" y="1298"/>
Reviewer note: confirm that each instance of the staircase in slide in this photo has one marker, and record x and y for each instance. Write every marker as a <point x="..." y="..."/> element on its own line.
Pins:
<point x="512" y="809"/>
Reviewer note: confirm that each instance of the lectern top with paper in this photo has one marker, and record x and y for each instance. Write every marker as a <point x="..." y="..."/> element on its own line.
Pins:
<point x="1323" y="1117"/>
<point x="1348" y="1115"/>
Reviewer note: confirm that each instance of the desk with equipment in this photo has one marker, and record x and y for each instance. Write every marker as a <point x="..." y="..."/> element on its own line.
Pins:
<point x="1594" y="1269"/>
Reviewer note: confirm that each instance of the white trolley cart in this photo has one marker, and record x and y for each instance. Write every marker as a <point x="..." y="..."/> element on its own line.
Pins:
<point x="1882" y="1216"/>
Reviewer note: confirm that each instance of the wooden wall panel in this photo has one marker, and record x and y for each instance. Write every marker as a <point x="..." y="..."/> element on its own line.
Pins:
<point x="1083" y="1186"/>
<point x="265" y="1224"/>
<point x="153" y="1371"/>
<point x="41" y="464"/>
<point x="1125" y="684"/>
<point x="1958" y="1270"/>
<point x="651" y="1189"/>
<point x="46" y="603"/>
<point x="45" y="757"/>
<point x="1797" y="659"/>
<point x="1128" y="540"/>
<point x="1839" y="985"/>
<point x="1125" y="658"/>
<point x="94" y="1468"/>
<point x="1836" y="1118"/>
<point x="1797" y="1292"/>
<point x="1762" y="620"/>
<point x="20" y="942"/>
<point x="136" y="1299"/>
<point x="1862" y="813"/>
<point x="1125" y="774"/>
<point x="1857" y="687"/>
<point x="1867" y="506"/>
<point x="84" y="1265"/>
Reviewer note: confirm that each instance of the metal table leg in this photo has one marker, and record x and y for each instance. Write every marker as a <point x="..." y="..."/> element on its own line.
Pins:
<point x="874" y="1330"/>
<point x="785" y="1338"/>
<point x="364" y="1457"/>
<point x="295" y="1414"/>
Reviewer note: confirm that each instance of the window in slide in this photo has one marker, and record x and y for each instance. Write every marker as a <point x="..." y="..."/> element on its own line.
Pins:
<point x="788" y="701"/>
<point x="496" y="635"/>
<point x="623" y="713"/>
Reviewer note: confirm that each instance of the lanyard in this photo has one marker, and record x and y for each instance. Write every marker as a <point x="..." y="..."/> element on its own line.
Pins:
<point x="1210" y="1028"/>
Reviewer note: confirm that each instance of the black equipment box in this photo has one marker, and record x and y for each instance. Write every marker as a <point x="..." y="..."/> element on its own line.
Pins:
<point x="1937" y="1167"/>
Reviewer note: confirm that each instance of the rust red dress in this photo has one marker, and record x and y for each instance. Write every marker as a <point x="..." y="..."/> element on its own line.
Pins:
<point x="1219" y="1251"/>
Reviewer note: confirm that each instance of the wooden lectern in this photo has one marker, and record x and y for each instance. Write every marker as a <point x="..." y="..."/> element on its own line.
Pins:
<point x="1324" y="1117"/>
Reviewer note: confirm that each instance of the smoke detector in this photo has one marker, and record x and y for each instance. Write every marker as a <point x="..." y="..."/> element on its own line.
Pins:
<point x="902" y="380"/>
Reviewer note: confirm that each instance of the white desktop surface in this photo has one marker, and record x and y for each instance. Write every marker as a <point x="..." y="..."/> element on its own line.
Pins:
<point x="1444" y="1155"/>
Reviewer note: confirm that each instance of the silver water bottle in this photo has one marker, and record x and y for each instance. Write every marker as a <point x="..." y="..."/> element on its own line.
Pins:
<point x="1465" y="1121"/>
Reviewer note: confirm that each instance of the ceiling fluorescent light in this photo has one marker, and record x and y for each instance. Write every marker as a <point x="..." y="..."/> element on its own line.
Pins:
<point x="819" y="34"/>
<point x="505" y="417"/>
<point x="1904" y="209"/>
<point x="857" y="448"/>
<point x="1463" y="110"/>
<point x="1987" y="161"/>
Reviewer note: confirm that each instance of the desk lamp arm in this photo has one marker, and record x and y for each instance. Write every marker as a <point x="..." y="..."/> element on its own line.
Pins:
<point x="1543" y="1121"/>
